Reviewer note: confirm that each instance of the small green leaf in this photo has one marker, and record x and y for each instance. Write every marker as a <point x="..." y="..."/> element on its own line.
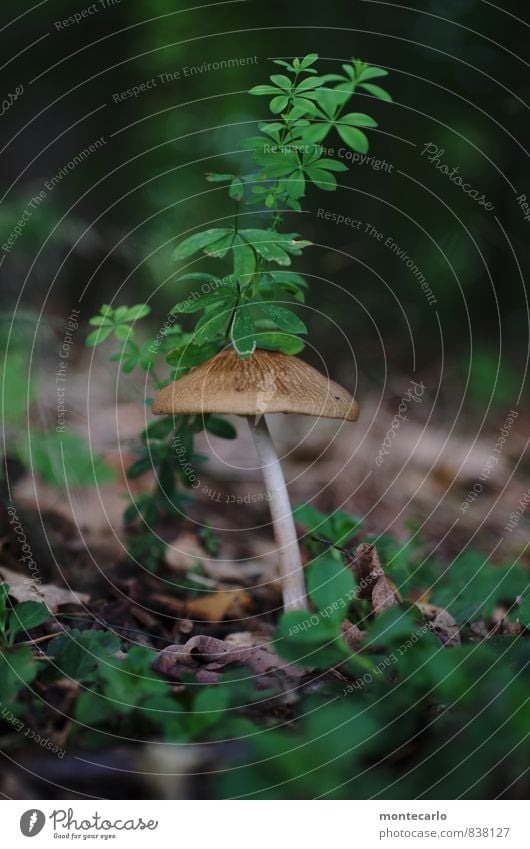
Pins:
<point x="191" y="355"/>
<point x="371" y="73"/>
<point x="280" y="342"/>
<point x="196" y="304"/>
<point x="309" y="640"/>
<point x="357" y="119"/>
<point x="308" y="60"/>
<point x="213" y="324"/>
<point x="221" y="247"/>
<point x="355" y="139"/>
<point x="100" y="321"/>
<point x="267" y="243"/>
<point x="123" y="332"/>
<point x="331" y="586"/>
<point x="219" y="178"/>
<point x="281" y="81"/>
<point x="278" y="104"/>
<point x="244" y="260"/>
<point x="140" y="467"/>
<point x="324" y="180"/>
<point x="263" y="89"/>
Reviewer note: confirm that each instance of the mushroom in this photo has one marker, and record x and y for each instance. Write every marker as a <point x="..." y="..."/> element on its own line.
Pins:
<point x="265" y="382"/>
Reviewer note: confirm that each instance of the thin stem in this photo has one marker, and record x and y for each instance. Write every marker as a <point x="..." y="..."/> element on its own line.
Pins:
<point x="290" y="563"/>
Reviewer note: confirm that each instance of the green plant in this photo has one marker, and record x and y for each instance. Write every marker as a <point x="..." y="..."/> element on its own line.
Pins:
<point x="243" y="305"/>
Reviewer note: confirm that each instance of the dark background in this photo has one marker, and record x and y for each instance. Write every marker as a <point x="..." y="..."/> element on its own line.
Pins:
<point x="114" y="219"/>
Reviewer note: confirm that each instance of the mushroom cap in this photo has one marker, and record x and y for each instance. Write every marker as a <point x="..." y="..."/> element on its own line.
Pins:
<point x="265" y="382"/>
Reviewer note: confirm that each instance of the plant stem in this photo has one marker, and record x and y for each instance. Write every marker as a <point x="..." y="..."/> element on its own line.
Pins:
<point x="290" y="563"/>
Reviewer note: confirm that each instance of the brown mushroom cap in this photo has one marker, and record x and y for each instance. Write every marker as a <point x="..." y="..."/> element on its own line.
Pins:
<point x="265" y="382"/>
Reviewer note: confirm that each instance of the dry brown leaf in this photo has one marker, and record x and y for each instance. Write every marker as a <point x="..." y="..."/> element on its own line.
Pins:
<point x="25" y="589"/>
<point x="209" y="653"/>
<point x="444" y="625"/>
<point x="447" y="628"/>
<point x="213" y="607"/>
<point x="383" y="595"/>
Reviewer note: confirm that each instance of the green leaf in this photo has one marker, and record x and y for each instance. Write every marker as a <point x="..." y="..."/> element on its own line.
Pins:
<point x="295" y="184"/>
<point x="94" y="709"/>
<point x="137" y="312"/>
<point x="281" y="81"/>
<point x="220" y="427"/>
<point x="287" y="277"/>
<point x="237" y="189"/>
<point x="267" y="244"/>
<point x="243" y="332"/>
<point x="64" y="460"/>
<point x="100" y="321"/>
<point x="25" y="616"/>
<point x="263" y="89"/>
<point x="357" y="119"/>
<point x="221" y="247"/>
<point x="309" y="640"/>
<point x="140" y="467"/>
<point x="209" y="707"/>
<point x="317" y="132"/>
<point x="195" y="304"/>
<point x="331" y="586"/>
<point x="337" y="527"/>
<point x="219" y="178"/>
<point x="282" y="317"/>
<point x="198" y="241"/>
<point x="212" y="325"/>
<point x="377" y="91"/>
<point x="371" y="73"/>
<point x="355" y="139"/>
<point x="278" y="104"/>
<point x="244" y="260"/>
<point x="308" y="60"/>
<point x="77" y="654"/>
<point x="123" y="332"/>
<point x="119" y="314"/>
<point x="191" y="355"/>
<point x="322" y="179"/>
<point x="280" y="342"/>
<point x="18" y="668"/>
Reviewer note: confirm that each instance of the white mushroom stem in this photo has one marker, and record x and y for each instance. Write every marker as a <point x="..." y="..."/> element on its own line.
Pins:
<point x="291" y="569"/>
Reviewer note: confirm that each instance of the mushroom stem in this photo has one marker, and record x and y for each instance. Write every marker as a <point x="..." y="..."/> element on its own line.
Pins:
<point x="291" y="569"/>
